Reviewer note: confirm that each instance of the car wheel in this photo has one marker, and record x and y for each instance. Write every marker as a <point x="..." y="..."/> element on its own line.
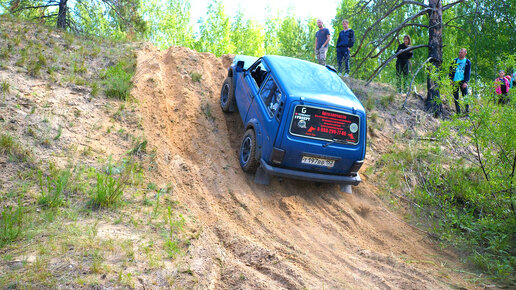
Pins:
<point x="247" y="156"/>
<point x="227" y="95"/>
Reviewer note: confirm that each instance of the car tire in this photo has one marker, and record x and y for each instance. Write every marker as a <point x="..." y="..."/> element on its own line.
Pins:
<point x="227" y="95"/>
<point x="247" y="155"/>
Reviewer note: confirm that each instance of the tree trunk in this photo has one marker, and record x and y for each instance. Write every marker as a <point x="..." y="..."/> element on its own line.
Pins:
<point x="61" y="16"/>
<point x="435" y="52"/>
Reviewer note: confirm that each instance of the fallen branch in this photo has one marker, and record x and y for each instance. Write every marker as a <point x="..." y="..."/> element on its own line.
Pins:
<point x="428" y="139"/>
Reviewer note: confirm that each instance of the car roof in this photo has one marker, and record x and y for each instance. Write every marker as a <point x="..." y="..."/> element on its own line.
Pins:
<point x="304" y="78"/>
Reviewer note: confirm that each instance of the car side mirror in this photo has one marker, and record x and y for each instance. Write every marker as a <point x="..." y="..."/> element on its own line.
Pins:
<point x="240" y="66"/>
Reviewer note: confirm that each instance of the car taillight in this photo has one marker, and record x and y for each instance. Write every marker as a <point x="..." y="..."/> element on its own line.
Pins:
<point x="277" y="155"/>
<point x="356" y="166"/>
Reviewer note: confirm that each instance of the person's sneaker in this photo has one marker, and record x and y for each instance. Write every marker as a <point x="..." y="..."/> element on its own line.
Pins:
<point x="340" y="75"/>
<point x="346" y="75"/>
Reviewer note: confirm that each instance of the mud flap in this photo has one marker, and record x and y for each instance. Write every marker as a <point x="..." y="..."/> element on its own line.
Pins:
<point x="346" y="188"/>
<point x="261" y="177"/>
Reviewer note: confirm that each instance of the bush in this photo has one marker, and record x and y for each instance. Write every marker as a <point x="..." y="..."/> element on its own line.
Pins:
<point x="117" y="79"/>
<point x="471" y="201"/>
<point x="110" y="185"/>
<point x="11" y="224"/>
<point x="13" y="149"/>
<point x="54" y="187"/>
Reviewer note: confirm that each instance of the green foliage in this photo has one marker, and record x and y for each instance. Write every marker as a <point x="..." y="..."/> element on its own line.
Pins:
<point x="387" y="100"/>
<point x="214" y="30"/>
<point x="14" y="150"/>
<point x="246" y="36"/>
<point x="4" y="53"/>
<point x="113" y="18"/>
<point x="296" y="39"/>
<point x="110" y="184"/>
<point x="11" y="224"/>
<point x="169" y="24"/>
<point x="59" y="132"/>
<point x="469" y="201"/>
<point x="34" y="66"/>
<point x="117" y="79"/>
<point x="172" y="245"/>
<point x="54" y="187"/>
<point x="139" y="148"/>
<point x="6" y="86"/>
<point x="196" y="77"/>
<point x="94" y="89"/>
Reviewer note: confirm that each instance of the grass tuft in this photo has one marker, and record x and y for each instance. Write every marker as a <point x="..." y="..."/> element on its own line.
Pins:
<point x="196" y="77"/>
<point x="117" y="79"/>
<point x="11" y="224"/>
<point x="110" y="185"/>
<point x="53" y="187"/>
<point x="13" y="149"/>
<point x="139" y="148"/>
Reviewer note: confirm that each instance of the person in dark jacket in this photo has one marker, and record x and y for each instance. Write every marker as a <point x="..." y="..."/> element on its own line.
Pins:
<point x="403" y="64"/>
<point x="345" y="41"/>
<point x="460" y="72"/>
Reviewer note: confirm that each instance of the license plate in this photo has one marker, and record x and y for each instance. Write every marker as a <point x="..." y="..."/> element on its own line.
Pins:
<point x="318" y="161"/>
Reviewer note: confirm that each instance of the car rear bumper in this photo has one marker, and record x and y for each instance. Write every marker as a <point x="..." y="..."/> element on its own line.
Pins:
<point x="310" y="176"/>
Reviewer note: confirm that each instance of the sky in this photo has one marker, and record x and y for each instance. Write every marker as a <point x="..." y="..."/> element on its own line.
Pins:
<point x="256" y="9"/>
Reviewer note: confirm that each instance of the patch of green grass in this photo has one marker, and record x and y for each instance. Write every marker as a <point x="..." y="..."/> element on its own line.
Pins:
<point x="206" y="109"/>
<point x="117" y="79"/>
<point x="175" y="225"/>
<point x="196" y="77"/>
<point x="110" y="184"/>
<point x="385" y="101"/>
<point x="69" y="39"/>
<point x="139" y="148"/>
<point x="6" y="87"/>
<point x="14" y="150"/>
<point x="75" y="79"/>
<point x="54" y="187"/>
<point x="370" y="104"/>
<point x="120" y="113"/>
<point x="94" y="89"/>
<point x="4" y="53"/>
<point x="79" y="67"/>
<point x="11" y="224"/>
<point x="59" y="132"/>
<point x="34" y="66"/>
<point x="30" y="132"/>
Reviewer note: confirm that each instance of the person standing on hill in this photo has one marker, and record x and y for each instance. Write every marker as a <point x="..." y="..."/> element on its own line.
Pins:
<point x="460" y="72"/>
<point x="502" y="87"/>
<point x="345" y="41"/>
<point x="322" y="37"/>
<point x="403" y="64"/>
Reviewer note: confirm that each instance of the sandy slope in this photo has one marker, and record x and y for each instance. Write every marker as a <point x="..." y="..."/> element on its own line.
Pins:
<point x="289" y="234"/>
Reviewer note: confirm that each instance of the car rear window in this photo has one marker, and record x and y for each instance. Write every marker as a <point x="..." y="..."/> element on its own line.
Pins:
<point x="323" y="124"/>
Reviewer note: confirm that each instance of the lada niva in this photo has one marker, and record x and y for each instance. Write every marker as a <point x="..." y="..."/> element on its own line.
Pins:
<point x="300" y="120"/>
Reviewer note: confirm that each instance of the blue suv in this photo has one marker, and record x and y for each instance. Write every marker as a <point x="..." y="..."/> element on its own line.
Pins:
<point x="300" y="120"/>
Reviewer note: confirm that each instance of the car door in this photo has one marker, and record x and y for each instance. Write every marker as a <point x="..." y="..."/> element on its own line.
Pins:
<point x="247" y="87"/>
<point x="267" y="107"/>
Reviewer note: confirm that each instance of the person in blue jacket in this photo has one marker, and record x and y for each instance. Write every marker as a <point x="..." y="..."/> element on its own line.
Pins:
<point x="345" y="41"/>
<point x="460" y="72"/>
